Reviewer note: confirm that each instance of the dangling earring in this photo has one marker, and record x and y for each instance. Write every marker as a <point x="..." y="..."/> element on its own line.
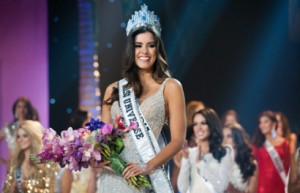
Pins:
<point x="16" y="115"/>
<point x="274" y="133"/>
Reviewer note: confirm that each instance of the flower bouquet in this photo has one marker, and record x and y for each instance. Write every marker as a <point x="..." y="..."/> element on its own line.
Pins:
<point x="97" y="142"/>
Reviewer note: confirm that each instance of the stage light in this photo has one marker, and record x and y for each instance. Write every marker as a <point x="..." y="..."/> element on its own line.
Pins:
<point x="52" y="101"/>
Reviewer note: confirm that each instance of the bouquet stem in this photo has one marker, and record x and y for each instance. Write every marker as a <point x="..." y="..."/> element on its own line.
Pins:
<point x="118" y="165"/>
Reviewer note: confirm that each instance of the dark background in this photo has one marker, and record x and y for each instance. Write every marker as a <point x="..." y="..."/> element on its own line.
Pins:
<point x="230" y="54"/>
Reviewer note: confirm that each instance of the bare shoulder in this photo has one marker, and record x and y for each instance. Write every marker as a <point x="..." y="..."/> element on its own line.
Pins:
<point x="173" y="88"/>
<point x="172" y="85"/>
<point x="173" y="82"/>
<point x="255" y="162"/>
<point x="293" y="137"/>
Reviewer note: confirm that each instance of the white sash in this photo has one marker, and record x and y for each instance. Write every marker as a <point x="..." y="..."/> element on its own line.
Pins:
<point x="210" y="186"/>
<point x="276" y="161"/>
<point x="145" y="142"/>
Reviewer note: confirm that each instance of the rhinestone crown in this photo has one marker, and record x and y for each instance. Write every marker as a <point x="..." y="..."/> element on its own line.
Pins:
<point x="143" y="18"/>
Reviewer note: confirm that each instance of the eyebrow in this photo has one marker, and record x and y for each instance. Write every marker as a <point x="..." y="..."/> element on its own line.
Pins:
<point x="142" y="43"/>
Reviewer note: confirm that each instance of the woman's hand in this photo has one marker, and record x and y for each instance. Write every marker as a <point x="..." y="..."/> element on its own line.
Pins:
<point x="1" y="136"/>
<point x="185" y="150"/>
<point x="135" y="169"/>
<point x="200" y="156"/>
<point x="13" y="187"/>
<point x="177" y="159"/>
<point x="96" y="164"/>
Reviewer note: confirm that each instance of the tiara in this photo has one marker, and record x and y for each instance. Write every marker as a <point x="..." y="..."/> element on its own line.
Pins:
<point x="143" y="18"/>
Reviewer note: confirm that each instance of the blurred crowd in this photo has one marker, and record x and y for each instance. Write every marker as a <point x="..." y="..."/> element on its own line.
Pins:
<point x="218" y="155"/>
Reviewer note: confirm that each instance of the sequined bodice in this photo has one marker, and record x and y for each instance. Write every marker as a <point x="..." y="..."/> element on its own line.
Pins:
<point x="42" y="180"/>
<point x="153" y="109"/>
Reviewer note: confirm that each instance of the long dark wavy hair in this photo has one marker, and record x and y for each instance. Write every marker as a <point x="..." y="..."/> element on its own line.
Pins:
<point x="286" y="131"/>
<point x="31" y="111"/>
<point x="244" y="157"/>
<point x="130" y="69"/>
<point x="78" y="117"/>
<point x="259" y="138"/>
<point x="215" y="137"/>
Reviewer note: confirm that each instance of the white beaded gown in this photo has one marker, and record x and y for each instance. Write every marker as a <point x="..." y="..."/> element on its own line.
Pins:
<point x="194" y="174"/>
<point x="153" y="109"/>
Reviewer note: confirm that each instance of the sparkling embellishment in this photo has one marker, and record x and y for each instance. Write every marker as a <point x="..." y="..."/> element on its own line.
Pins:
<point x="153" y="109"/>
<point x="143" y="18"/>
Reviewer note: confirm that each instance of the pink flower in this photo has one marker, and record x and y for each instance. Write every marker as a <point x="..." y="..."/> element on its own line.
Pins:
<point x="76" y="147"/>
<point x="73" y="165"/>
<point x="49" y="134"/>
<point x="132" y="126"/>
<point x="87" y="150"/>
<point x="96" y="155"/>
<point x="117" y="120"/>
<point x="84" y="133"/>
<point x="69" y="135"/>
<point x="107" y="129"/>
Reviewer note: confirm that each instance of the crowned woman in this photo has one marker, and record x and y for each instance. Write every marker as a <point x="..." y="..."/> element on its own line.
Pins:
<point x="150" y="97"/>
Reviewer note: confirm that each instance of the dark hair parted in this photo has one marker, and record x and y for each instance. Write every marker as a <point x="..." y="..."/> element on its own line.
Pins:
<point x="130" y="69"/>
<point x="31" y="111"/>
<point x="244" y="157"/>
<point x="215" y="137"/>
<point x="259" y="138"/>
<point x="78" y="118"/>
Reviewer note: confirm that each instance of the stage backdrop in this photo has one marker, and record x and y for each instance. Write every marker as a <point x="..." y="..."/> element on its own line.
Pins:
<point x="23" y="59"/>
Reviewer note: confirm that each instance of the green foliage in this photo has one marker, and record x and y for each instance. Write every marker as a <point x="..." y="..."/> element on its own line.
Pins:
<point x="117" y="163"/>
<point x="118" y="145"/>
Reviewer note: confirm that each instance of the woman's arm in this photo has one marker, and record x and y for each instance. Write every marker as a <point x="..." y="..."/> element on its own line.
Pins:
<point x="174" y="97"/>
<point x="183" y="181"/>
<point x="184" y="176"/>
<point x="9" y="183"/>
<point x="92" y="185"/>
<point x="66" y="181"/>
<point x="175" y="101"/>
<point x="106" y="114"/>
<point x="293" y="143"/>
<point x="225" y="169"/>
<point x="252" y="182"/>
<point x="1" y="135"/>
<point x="294" y="184"/>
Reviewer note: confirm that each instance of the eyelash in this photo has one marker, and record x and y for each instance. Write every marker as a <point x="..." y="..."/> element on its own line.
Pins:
<point x="150" y="46"/>
<point x="203" y="123"/>
<point x="18" y="136"/>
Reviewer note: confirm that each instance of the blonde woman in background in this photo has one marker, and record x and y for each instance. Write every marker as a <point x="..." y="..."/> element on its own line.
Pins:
<point x="24" y="175"/>
<point x="22" y="110"/>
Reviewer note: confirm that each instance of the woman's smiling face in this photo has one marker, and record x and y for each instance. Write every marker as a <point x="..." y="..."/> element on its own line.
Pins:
<point x="201" y="128"/>
<point x="145" y="51"/>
